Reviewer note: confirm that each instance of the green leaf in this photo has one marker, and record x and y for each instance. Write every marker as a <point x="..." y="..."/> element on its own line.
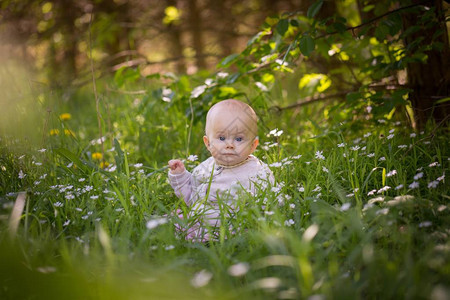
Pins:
<point x="314" y="9"/>
<point x="282" y="26"/>
<point x="443" y="100"/>
<point x="73" y="158"/>
<point x="307" y="45"/>
<point x="228" y="60"/>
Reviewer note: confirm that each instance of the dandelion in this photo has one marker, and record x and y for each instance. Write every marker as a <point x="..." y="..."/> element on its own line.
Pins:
<point x="319" y="155"/>
<point x="69" y="132"/>
<point x="22" y="175"/>
<point x="239" y="269"/>
<point x="398" y="187"/>
<point x="414" y="185"/>
<point x="433" y="184"/>
<point x="192" y="157"/>
<point x="97" y="156"/>
<point x="65" y="116"/>
<point x="345" y="206"/>
<point x="382" y="158"/>
<point x="418" y="176"/>
<point x="54" y="131"/>
<point x="391" y="173"/>
<point x="201" y="278"/>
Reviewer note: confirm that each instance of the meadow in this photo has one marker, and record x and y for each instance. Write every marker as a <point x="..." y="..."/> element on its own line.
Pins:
<point x="359" y="208"/>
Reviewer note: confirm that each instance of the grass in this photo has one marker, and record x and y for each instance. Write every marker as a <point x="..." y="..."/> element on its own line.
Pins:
<point x="355" y="213"/>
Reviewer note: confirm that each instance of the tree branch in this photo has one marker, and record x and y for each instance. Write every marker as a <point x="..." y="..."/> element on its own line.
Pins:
<point x="375" y="19"/>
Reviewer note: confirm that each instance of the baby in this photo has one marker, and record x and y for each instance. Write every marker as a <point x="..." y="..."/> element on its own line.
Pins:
<point x="231" y="137"/>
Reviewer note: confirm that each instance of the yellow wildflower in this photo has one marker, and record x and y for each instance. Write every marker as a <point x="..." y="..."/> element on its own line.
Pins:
<point x="65" y="116"/>
<point x="54" y="132"/>
<point x="97" y="156"/>
<point x="69" y="132"/>
<point x="104" y="164"/>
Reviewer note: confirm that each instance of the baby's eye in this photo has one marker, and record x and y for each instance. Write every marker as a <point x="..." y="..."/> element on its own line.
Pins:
<point x="222" y="138"/>
<point x="239" y="139"/>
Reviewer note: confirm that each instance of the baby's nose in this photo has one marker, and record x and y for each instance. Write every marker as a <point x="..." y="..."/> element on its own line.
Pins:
<point x="230" y="145"/>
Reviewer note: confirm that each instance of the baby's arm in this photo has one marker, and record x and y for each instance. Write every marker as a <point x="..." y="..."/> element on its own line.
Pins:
<point x="180" y="180"/>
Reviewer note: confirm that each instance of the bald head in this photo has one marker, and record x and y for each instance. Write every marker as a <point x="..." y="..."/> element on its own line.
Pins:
<point x="238" y="111"/>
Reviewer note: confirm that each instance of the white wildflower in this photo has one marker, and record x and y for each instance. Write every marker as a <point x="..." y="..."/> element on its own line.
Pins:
<point x="345" y="206"/>
<point x="222" y="74"/>
<point x="292" y="205"/>
<point x="69" y="196"/>
<point x="383" y="211"/>
<point x="276" y="132"/>
<point x="384" y="189"/>
<point x="261" y="86"/>
<point x="418" y="176"/>
<point x="414" y="185"/>
<point x="402" y="146"/>
<point x="433" y="184"/>
<point x="325" y="170"/>
<point x="400" y="186"/>
<point x="317" y="189"/>
<point x="22" y="175"/>
<point x="425" y="224"/>
<point x="42" y="150"/>
<point x="192" y="157"/>
<point x="276" y="164"/>
<point x="289" y="222"/>
<point x="301" y="189"/>
<point x="371" y="155"/>
<point x="151" y="224"/>
<point x="198" y="91"/>
<point x="58" y="204"/>
<point x="367" y="134"/>
<point x="382" y="158"/>
<point x="170" y="247"/>
<point x="137" y="166"/>
<point x="391" y="173"/>
<point x="239" y="269"/>
<point x="368" y="109"/>
<point x="341" y="145"/>
<point x="201" y="278"/>
<point x="81" y="179"/>
<point x="434" y="164"/>
<point x="372" y="192"/>
<point x="93" y="197"/>
<point x="441" y="177"/>
<point x="413" y="135"/>
<point x="319" y="155"/>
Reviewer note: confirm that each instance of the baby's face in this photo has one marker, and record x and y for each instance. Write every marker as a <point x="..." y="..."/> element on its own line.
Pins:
<point x="230" y="137"/>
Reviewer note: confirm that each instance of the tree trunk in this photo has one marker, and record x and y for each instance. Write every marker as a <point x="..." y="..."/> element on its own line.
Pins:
<point x="175" y="40"/>
<point x="195" y="21"/>
<point x="429" y="81"/>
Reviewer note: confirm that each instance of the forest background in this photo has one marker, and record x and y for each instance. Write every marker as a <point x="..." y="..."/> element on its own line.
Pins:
<point x="353" y="101"/>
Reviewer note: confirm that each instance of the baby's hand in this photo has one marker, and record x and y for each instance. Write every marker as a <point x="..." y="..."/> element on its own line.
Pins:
<point x="176" y="166"/>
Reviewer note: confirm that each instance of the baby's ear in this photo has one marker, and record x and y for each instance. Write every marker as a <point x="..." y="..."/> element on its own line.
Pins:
<point x="255" y="144"/>
<point x="206" y="141"/>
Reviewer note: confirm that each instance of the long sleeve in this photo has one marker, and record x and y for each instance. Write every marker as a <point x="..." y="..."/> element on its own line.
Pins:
<point x="182" y="184"/>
